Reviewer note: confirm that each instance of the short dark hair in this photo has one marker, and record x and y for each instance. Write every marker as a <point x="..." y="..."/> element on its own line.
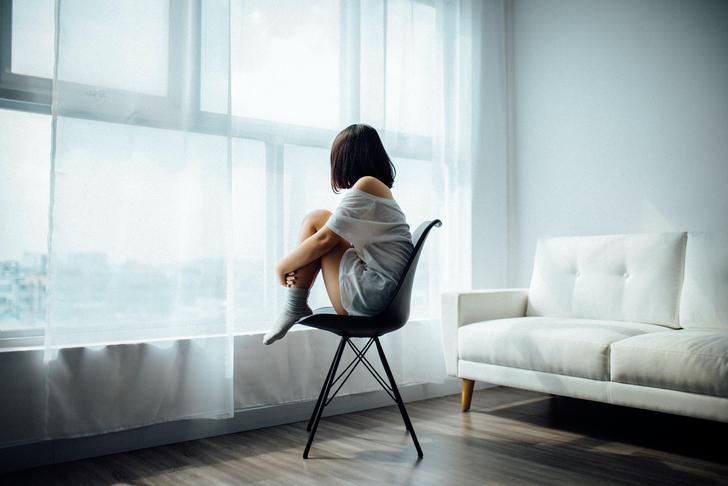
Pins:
<point x="357" y="151"/>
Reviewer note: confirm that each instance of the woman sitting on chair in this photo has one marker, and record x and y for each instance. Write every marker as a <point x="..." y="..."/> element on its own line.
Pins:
<point x="361" y="249"/>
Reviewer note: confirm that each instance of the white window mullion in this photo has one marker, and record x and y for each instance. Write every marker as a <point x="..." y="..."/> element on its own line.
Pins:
<point x="184" y="55"/>
<point x="350" y="61"/>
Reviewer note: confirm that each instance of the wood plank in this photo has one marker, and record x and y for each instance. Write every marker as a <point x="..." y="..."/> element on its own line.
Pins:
<point x="509" y="436"/>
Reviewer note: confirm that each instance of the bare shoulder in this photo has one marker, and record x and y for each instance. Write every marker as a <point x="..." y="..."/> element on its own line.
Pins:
<point x="373" y="186"/>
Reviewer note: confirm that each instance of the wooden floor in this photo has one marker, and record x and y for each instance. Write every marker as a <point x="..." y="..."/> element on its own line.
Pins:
<point x="509" y="437"/>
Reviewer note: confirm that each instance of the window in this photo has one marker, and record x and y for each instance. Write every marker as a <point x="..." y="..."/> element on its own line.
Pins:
<point x="296" y="80"/>
<point x="214" y="52"/>
<point x="134" y="33"/>
<point x="253" y="205"/>
<point x="285" y="64"/>
<point x="410" y="66"/>
<point x="32" y="38"/>
<point x="419" y="203"/>
<point x="24" y="185"/>
<point x="142" y="222"/>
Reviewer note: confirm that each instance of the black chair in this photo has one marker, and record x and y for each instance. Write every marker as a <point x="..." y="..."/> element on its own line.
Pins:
<point x="393" y="317"/>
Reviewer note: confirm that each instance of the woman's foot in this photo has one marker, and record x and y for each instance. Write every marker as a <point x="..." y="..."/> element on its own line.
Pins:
<point x="296" y="307"/>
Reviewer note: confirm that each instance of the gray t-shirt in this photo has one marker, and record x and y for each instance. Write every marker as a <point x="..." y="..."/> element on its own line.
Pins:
<point x="369" y="271"/>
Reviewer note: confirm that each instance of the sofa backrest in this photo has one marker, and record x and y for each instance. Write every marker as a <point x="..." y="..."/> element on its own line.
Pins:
<point x="704" y="301"/>
<point x="616" y="277"/>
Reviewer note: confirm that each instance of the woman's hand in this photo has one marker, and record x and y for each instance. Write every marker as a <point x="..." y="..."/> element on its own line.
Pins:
<point x="291" y="279"/>
<point x="287" y="279"/>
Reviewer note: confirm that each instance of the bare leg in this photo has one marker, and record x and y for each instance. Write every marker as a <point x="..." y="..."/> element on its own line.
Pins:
<point x="300" y="281"/>
<point x="313" y="222"/>
<point x="329" y="263"/>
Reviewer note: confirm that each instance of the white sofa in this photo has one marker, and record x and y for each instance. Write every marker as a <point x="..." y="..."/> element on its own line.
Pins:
<point x="636" y="320"/>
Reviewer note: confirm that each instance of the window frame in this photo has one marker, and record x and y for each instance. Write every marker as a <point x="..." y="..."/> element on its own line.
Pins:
<point x="31" y="93"/>
<point x="34" y="94"/>
<point x="19" y="92"/>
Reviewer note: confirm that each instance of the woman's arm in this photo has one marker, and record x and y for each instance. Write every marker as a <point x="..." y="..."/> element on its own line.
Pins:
<point x="311" y="249"/>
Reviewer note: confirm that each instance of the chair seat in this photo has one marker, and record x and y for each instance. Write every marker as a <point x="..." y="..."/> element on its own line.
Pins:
<point x="326" y="319"/>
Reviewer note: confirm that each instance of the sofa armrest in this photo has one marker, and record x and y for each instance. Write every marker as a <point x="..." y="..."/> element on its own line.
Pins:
<point x="462" y="308"/>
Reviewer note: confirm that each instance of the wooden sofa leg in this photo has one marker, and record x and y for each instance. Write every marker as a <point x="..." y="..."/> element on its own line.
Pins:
<point x="467" y="394"/>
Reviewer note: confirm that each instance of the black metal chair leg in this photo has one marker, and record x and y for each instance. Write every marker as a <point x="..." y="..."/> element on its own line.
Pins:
<point x="398" y="397"/>
<point x="328" y="385"/>
<point x="323" y="389"/>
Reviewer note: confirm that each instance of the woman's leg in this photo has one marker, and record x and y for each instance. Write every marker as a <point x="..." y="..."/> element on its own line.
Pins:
<point x="300" y="281"/>
<point x="312" y="222"/>
<point x="330" y="267"/>
<point x="329" y="263"/>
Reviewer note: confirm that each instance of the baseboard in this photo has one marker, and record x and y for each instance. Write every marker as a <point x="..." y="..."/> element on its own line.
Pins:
<point x="17" y="457"/>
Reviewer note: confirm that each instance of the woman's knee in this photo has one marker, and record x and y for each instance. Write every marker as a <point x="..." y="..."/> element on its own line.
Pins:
<point x="317" y="217"/>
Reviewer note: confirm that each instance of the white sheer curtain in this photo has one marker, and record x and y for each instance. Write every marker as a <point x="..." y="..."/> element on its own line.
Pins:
<point x="403" y="66"/>
<point x="140" y="239"/>
<point x="189" y="138"/>
<point x="301" y="71"/>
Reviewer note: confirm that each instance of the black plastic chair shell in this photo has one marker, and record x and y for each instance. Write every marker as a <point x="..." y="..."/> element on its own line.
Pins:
<point x="393" y="317"/>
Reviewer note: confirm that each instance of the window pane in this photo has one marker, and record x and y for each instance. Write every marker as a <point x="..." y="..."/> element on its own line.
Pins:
<point x="254" y="258"/>
<point x="372" y="60"/>
<point x="410" y="66"/>
<point x="139" y="232"/>
<point x="412" y="189"/>
<point x="24" y="193"/>
<point x="285" y="61"/>
<point x="306" y="186"/>
<point x="32" y="38"/>
<point x="214" y="51"/>
<point x="121" y="45"/>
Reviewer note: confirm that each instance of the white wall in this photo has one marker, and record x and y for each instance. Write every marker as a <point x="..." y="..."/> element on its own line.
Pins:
<point x="490" y="172"/>
<point x="620" y="120"/>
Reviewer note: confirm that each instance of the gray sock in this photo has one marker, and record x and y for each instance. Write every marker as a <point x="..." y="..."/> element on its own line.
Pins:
<point x="296" y="306"/>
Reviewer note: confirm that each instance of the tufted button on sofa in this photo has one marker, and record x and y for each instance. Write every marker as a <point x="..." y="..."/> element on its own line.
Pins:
<point x="638" y="320"/>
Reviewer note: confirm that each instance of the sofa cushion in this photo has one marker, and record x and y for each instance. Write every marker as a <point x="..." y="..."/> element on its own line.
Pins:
<point x="618" y="277"/>
<point x="574" y="347"/>
<point x="685" y="360"/>
<point x="704" y="302"/>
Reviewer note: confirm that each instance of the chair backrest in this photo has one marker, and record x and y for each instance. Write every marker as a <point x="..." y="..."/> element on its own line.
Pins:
<point x="398" y="310"/>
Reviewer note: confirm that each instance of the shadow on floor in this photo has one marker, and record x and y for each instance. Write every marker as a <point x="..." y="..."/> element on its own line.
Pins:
<point x="675" y="434"/>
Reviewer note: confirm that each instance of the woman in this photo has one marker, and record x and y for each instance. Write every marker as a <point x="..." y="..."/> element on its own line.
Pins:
<point x="361" y="249"/>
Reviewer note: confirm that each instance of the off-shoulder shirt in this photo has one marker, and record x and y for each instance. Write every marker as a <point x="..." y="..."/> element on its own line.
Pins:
<point x="382" y="245"/>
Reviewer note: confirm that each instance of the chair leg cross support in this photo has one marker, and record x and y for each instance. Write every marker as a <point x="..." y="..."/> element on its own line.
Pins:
<point x="331" y="379"/>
